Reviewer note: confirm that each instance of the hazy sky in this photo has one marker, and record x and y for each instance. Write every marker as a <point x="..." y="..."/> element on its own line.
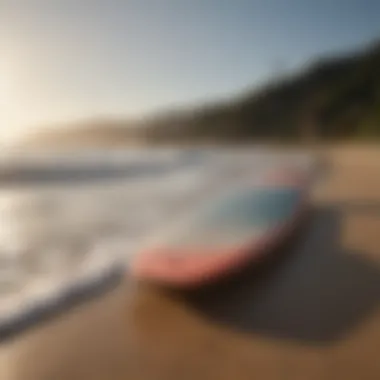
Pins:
<point x="69" y="59"/>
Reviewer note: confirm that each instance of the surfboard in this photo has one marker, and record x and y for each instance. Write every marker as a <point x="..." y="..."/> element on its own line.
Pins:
<point x="243" y="224"/>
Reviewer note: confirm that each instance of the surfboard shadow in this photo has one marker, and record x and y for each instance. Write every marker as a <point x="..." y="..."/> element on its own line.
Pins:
<point x="311" y="289"/>
<point x="367" y="207"/>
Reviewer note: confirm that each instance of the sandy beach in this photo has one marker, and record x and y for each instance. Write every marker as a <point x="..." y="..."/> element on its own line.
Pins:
<point x="311" y="312"/>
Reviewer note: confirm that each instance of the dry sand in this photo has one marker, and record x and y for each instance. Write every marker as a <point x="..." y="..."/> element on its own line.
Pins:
<point x="313" y="314"/>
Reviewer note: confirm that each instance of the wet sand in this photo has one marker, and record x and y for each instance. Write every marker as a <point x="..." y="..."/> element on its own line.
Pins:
<point x="310" y="312"/>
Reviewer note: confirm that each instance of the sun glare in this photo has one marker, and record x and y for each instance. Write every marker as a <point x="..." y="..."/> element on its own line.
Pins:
<point x="9" y="113"/>
<point x="4" y="88"/>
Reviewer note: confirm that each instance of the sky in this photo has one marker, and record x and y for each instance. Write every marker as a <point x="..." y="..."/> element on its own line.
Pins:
<point x="64" y="60"/>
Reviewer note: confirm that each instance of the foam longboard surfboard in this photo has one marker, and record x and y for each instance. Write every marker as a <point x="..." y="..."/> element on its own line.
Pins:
<point x="231" y="230"/>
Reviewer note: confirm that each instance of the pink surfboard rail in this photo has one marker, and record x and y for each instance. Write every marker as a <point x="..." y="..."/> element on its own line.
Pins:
<point x="180" y="264"/>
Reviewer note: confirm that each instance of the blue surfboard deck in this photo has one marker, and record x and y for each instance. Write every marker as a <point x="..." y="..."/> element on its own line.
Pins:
<point x="239" y="216"/>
